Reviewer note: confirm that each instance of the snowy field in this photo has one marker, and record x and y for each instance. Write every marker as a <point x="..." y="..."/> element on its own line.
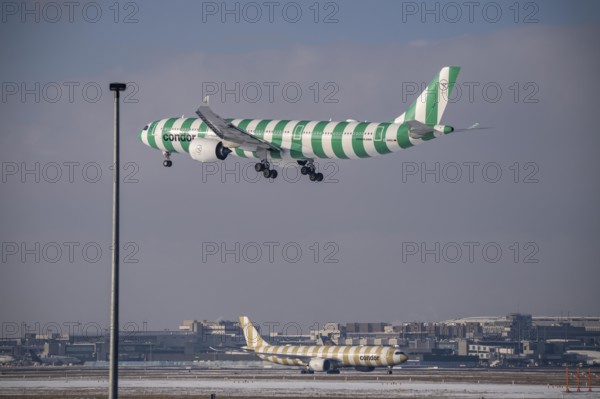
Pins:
<point x="82" y="387"/>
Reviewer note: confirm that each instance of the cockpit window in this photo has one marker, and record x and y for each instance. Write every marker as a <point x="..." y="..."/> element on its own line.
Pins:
<point x="398" y="353"/>
<point x="146" y="127"/>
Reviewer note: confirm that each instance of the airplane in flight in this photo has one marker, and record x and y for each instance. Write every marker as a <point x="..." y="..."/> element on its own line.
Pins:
<point x="286" y="143"/>
<point x="326" y="358"/>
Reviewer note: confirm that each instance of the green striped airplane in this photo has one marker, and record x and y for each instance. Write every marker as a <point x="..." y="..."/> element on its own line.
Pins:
<point x="328" y="358"/>
<point x="287" y="143"/>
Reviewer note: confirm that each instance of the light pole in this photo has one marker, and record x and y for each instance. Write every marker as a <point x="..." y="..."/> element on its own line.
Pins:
<point x="113" y="374"/>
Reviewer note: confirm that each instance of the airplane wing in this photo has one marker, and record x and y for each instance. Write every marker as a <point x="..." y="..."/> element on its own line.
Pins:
<point x="303" y="358"/>
<point x="234" y="136"/>
<point x="230" y="349"/>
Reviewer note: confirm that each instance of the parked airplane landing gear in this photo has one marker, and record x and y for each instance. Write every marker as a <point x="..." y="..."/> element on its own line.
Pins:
<point x="167" y="163"/>
<point x="309" y="169"/>
<point x="334" y="371"/>
<point x="307" y="371"/>
<point x="265" y="167"/>
<point x="389" y="371"/>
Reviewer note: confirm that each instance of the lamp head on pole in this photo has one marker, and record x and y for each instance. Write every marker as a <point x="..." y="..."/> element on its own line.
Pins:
<point x="118" y="86"/>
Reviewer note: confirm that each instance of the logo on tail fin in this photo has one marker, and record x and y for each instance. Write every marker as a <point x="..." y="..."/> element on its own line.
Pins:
<point x="429" y="107"/>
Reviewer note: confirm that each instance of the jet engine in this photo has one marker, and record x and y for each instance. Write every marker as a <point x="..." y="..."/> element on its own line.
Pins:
<point x="204" y="150"/>
<point x="319" y="364"/>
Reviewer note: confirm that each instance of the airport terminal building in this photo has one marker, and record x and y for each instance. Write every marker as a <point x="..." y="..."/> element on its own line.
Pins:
<point x="512" y="340"/>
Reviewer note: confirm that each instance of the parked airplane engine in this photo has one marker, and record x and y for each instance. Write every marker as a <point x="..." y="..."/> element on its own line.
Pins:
<point x="204" y="150"/>
<point x="319" y="364"/>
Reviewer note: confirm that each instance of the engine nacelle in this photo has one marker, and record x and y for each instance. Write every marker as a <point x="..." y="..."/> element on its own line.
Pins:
<point x="443" y="129"/>
<point x="364" y="369"/>
<point x="319" y="364"/>
<point x="204" y="150"/>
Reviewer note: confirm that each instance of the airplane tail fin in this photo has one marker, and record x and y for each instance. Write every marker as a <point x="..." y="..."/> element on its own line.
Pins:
<point x="431" y="104"/>
<point x="253" y="338"/>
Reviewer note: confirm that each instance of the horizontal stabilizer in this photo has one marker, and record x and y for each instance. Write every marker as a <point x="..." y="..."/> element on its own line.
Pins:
<point x="417" y="130"/>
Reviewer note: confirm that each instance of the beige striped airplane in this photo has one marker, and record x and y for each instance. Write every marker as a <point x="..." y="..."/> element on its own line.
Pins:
<point x="325" y="358"/>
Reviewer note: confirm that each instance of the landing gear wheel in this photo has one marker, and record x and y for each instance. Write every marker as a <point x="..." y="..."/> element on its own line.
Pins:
<point x="273" y="174"/>
<point x="259" y="167"/>
<point x="303" y="371"/>
<point x="267" y="173"/>
<point x="319" y="176"/>
<point x="389" y="372"/>
<point x="305" y="170"/>
<point x="167" y="162"/>
<point x="312" y="176"/>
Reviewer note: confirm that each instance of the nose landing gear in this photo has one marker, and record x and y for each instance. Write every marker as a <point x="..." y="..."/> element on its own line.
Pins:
<point x="167" y="163"/>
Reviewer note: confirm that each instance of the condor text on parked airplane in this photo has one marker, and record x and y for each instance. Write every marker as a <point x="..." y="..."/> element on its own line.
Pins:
<point x="287" y="143"/>
<point x="327" y="358"/>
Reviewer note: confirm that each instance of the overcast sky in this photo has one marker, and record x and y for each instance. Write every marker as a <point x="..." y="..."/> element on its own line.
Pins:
<point x="408" y="236"/>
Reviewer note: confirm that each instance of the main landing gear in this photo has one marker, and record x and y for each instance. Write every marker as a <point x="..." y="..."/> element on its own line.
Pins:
<point x="167" y="163"/>
<point x="389" y="371"/>
<point x="307" y="371"/>
<point x="265" y="167"/>
<point x="308" y="168"/>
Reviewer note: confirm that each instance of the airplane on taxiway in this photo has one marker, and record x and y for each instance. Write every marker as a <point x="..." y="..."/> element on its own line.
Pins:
<point x="325" y="358"/>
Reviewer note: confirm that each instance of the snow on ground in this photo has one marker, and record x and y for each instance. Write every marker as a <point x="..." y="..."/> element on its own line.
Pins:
<point x="283" y="388"/>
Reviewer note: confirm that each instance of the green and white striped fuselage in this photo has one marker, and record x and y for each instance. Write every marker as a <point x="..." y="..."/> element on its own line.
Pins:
<point x="294" y="139"/>
<point x="343" y="356"/>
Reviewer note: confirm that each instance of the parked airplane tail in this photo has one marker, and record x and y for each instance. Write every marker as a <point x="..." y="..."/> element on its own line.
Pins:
<point x="253" y="338"/>
<point x="431" y="104"/>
